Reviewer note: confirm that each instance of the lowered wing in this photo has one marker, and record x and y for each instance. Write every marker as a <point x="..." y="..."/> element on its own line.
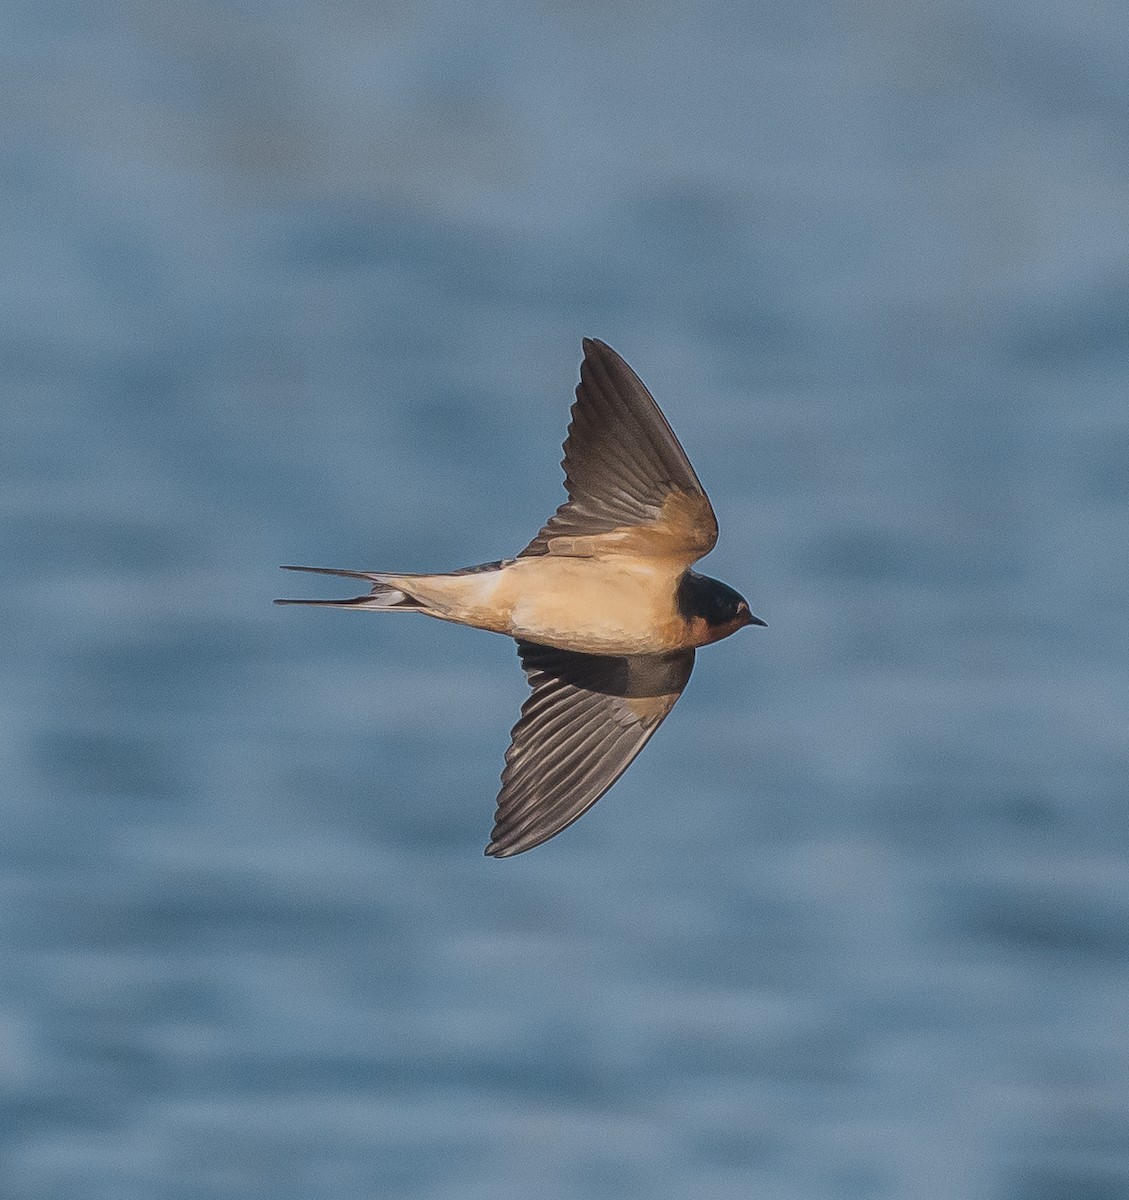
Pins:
<point x="588" y="717"/>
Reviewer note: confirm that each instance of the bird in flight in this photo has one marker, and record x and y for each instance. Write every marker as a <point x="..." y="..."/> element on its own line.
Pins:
<point x="602" y="603"/>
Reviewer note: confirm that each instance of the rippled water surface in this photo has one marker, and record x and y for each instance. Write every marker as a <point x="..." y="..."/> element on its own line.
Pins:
<point x="306" y="283"/>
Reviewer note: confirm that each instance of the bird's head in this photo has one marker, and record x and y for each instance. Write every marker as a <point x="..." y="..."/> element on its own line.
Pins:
<point x="712" y="608"/>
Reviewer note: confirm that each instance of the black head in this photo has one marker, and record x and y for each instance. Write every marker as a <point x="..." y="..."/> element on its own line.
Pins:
<point x="713" y="602"/>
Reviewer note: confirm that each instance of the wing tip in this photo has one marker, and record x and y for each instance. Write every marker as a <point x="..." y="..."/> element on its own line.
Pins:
<point x="597" y="348"/>
<point x="500" y="847"/>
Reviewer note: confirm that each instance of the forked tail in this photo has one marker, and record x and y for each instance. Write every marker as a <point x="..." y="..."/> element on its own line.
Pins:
<point x="382" y="596"/>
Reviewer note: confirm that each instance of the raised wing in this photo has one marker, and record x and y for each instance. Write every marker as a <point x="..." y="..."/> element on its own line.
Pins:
<point x="588" y="717"/>
<point x="630" y="485"/>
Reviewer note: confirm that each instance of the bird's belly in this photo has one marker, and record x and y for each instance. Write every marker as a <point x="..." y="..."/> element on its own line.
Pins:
<point x="594" y="606"/>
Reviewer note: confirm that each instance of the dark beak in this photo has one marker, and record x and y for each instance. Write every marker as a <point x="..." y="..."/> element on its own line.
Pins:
<point x="750" y="619"/>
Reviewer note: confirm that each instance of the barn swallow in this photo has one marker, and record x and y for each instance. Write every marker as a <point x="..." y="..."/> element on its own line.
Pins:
<point x="603" y="605"/>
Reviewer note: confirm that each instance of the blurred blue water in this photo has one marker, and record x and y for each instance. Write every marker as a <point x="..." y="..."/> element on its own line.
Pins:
<point x="306" y="283"/>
